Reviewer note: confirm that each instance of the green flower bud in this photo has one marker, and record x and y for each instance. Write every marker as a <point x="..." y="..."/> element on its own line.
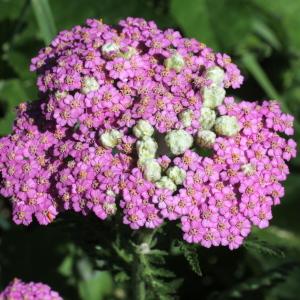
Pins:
<point x="129" y="53"/>
<point x="186" y="117"/>
<point x="227" y="126"/>
<point x="60" y="95"/>
<point x="89" y="84"/>
<point x="109" y="48"/>
<point x="166" y="183"/>
<point x="248" y="169"/>
<point x="146" y="148"/>
<point x="215" y="74"/>
<point x="143" y="129"/>
<point x="110" y="208"/>
<point x="176" y="174"/>
<point x="207" y="118"/>
<point x="175" y="62"/>
<point x="152" y="170"/>
<point x="205" y="138"/>
<point x="213" y="96"/>
<point x="111" y="138"/>
<point x="178" y="141"/>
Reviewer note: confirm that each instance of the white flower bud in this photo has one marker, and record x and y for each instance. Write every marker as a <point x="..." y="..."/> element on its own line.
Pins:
<point x="89" y="84"/>
<point x="129" y="53"/>
<point x="248" y="169"/>
<point x="213" y="95"/>
<point x="207" y="118"/>
<point x="141" y="162"/>
<point x="215" y="74"/>
<point x="60" y="95"/>
<point x="111" y="138"/>
<point x="227" y="126"/>
<point x="178" y="141"/>
<point x="143" y="129"/>
<point x="205" y="138"/>
<point x="186" y="117"/>
<point x="151" y="170"/>
<point x="110" y="193"/>
<point x="176" y="174"/>
<point x="109" y="48"/>
<point x="110" y="208"/>
<point x="166" y="183"/>
<point x="146" y="148"/>
<point x="175" y="62"/>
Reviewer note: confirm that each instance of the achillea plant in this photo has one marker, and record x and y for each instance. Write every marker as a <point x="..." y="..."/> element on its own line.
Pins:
<point x="135" y="121"/>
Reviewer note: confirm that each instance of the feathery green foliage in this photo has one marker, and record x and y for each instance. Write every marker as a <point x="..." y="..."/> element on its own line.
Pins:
<point x="190" y="253"/>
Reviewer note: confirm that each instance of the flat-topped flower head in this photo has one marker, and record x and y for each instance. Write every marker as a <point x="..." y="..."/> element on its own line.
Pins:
<point x="123" y="124"/>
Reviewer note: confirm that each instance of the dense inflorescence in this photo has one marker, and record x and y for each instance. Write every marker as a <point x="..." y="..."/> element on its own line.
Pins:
<point x="18" y="290"/>
<point x="134" y="119"/>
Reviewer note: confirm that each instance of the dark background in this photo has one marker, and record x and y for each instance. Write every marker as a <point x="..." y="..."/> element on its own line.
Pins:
<point x="263" y="38"/>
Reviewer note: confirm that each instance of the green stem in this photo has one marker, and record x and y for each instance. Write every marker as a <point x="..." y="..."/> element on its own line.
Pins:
<point x="139" y="265"/>
<point x="138" y="284"/>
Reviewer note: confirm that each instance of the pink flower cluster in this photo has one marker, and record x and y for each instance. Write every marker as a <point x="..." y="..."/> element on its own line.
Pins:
<point x="98" y="78"/>
<point x="18" y="290"/>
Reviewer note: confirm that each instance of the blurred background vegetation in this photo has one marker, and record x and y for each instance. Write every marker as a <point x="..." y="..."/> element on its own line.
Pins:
<point x="263" y="38"/>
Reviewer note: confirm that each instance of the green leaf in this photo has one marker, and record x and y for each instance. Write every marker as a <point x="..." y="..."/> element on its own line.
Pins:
<point x="20" y="63"/>
<point x="43" y="15"/>
<point x="158" y="252"/>
<point x="190" y="253"/>
<point x="6" y="10"/>
<point x="121" y="277"/>
<point x="206" y="21"/>
<point x="286" y="13"/>
<point x="267" y="280"/>
<point x="97" y="287"/>
<point x="160" y="272"/>
<point x="251" y="64"/>
<point x="266" y="33"/>
<point x="127" y="257"/>
<point x="65" y="268"/>
<point x="12" y="92"/>
<point x="195" y="19"/>
<point x="263" y="247"/>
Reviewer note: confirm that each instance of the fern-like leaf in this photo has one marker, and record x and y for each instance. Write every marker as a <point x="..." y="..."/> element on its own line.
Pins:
<point x="267" y="280"/>
<point x="190" y="253"/>
<point x="264" y="248"/>
<point x="161" y="272"/>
